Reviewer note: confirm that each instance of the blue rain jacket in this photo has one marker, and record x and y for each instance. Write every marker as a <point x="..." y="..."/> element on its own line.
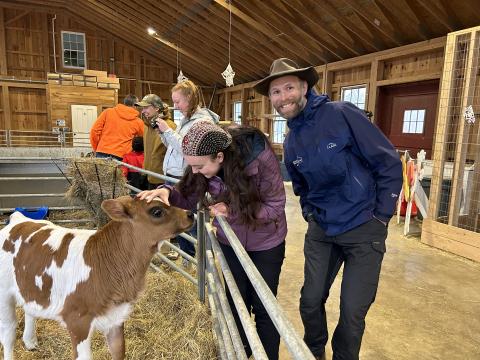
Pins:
<point x="341" y="165"/>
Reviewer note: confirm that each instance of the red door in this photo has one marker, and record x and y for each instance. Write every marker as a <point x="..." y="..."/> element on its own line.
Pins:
<point x="407" y="115"/>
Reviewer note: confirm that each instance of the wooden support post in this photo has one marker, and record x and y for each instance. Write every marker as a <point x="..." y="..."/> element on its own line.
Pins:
<point x="376" y="72"/>
<point x="228" y="96"/>
<point x="327" y="82"/>
<point x="7" y="114"/>
<point x="46" y="47"/>
<point x="445" y="98"/>
<point x="463" y="130"/>
<point x="138" y="75"/>
<point x="3" y="49"/>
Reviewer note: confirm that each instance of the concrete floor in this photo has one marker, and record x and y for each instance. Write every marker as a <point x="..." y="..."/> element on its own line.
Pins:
<point x="427" y="305"/>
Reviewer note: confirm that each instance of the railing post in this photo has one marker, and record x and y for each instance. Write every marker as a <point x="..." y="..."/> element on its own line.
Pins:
<point x="201" y="254"/>
<point x="8" y="138"/>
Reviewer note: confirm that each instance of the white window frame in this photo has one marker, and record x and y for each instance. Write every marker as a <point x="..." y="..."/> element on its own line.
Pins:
<point x="84" y="50"/>
<point x="413" y="122"/>
<point x="277" y="135"/>
<point x="237" y="116"/>
<point x="356" y="87"/>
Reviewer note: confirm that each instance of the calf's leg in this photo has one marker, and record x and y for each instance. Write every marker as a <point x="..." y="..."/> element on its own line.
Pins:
<point x="8" y="325"/>
<point x="29" y="334"/>
<point x="116" y="342"/>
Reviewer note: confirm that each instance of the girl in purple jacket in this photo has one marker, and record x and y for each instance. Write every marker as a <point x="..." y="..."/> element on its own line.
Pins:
<point x="235" y="173"/>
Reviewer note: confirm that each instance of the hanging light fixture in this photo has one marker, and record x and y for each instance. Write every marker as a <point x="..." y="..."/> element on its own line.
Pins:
<point x="228" y="74"/>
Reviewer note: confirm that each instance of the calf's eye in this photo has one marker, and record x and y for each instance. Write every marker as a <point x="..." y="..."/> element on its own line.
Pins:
<point x="157" y="211"/>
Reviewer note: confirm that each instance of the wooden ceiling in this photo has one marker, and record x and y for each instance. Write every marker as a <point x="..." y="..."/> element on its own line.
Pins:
<point x="311" y="32"/>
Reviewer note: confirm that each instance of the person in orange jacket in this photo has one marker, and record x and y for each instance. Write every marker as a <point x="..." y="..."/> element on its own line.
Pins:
<point x="112" y="133"/>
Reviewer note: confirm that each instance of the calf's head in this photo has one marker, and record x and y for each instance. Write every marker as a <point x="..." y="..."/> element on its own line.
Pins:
<point x="154" y="220"/>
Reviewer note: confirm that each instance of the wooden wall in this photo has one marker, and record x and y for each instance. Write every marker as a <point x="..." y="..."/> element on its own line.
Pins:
<point x="27" y="55"/>
<point x="410" y="63"/>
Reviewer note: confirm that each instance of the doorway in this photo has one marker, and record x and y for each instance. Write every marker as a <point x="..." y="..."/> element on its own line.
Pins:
<point x="83" y="117"/>
<point x="407" y="114"/>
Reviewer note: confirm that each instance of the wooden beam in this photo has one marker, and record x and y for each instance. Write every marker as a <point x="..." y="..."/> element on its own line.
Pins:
<point x="463" y="128"/>
<point x="286" y="23"/>
<point x="376" y="71"/>
<point x="22" y="84"/>
<point x="353" y="29"/>
<point x="390" y="34"/>
<point x="411" y="7"/>
<point x="7" y="114"/>
<point x="408" y="79"/>
<point x="301" y="10"/>
<point x="437" y="14"/>
<point x="265" y="30"/>
<point x="15" y="18"/>
<point x="3" y="50"/>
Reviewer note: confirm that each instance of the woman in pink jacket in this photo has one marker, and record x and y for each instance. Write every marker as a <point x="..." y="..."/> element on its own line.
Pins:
<point x="241" y="175"/>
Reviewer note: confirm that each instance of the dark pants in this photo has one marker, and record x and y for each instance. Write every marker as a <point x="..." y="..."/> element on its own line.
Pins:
<point x="361" y="251"/>
<point x="106" y="156"/>
<point x="269" y="263"/>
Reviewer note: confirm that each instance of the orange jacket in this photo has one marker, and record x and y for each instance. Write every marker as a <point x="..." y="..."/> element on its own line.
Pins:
<point x="114" y="129"/>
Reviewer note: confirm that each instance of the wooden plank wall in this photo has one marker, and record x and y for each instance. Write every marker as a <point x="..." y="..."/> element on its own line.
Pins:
<point x="27" y="55"/>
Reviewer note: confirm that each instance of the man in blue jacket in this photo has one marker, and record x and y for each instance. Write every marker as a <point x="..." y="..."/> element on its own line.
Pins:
<point x="348" y="177"/>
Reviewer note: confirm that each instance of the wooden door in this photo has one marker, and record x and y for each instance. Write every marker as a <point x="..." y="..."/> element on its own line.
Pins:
<point x="407" y="115"/>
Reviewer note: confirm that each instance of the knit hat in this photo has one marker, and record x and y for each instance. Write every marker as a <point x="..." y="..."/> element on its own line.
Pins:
<point x="151" y="99"/>
<point x="205" y="138"/>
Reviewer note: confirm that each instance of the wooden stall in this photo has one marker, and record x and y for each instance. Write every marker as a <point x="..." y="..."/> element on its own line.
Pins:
<point x="454" y="221"/>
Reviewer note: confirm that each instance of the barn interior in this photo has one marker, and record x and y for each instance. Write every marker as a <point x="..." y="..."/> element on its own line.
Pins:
<point x="413" y="66"/>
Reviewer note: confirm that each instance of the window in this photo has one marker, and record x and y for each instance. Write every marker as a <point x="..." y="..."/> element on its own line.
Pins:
<point x="413" y="121"/>
<point x="279" y="128"/>
<point x="355" y="94"/>
<point x="73" y="46"/>
<point x="237" y="112"/>
<point x="177" y="117"/>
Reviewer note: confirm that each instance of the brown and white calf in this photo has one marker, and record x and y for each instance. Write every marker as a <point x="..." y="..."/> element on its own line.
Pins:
<point x="84" y="279"/>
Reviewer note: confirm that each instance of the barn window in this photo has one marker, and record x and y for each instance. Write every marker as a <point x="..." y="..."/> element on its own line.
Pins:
<point x="413" y="121"/>
<point x="73" y="50"/>
<point x="355" y="94"/>
<point x="237" y="112"/>
<point x="279" y="128"/>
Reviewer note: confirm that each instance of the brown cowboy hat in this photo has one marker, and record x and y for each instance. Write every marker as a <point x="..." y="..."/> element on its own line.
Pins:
<point x="283" y="67"/>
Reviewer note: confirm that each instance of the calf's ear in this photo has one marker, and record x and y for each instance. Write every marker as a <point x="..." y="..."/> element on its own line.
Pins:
<point x="116" y="209"/>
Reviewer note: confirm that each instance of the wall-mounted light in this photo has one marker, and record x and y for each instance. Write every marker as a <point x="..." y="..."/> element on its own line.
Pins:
<point x="151" y="31"/>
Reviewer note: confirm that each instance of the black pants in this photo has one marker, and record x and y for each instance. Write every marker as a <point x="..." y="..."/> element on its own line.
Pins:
<point x="269" y="263"/>
<point x="361" y="251"/>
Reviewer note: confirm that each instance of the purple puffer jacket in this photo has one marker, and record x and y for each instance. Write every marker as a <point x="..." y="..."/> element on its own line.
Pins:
<point x="265" y="171"/>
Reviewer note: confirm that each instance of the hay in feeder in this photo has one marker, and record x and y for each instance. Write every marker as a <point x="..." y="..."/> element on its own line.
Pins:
<point x="168" y="322"/>
<point x="95" y="180"/>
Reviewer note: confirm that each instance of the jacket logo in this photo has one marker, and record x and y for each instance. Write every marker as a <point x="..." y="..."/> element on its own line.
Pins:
<point x="331" y="145"/>
<point x="298" y="162"/>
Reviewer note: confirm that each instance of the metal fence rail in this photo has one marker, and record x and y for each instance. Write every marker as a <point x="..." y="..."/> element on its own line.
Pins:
<point x="208" y="277"/>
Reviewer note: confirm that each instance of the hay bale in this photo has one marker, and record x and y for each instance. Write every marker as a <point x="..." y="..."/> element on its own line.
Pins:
<point x="168" y="322"/>
<point x="95" y="180"/>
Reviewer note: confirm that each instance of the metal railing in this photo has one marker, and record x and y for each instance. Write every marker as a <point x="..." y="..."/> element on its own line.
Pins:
<point x="41" y="138"/>
<point x="208" y="250"/>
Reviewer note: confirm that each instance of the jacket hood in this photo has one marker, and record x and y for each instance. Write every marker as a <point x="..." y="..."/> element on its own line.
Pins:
<point x="313" y="102"/>
<point x="205" y="113"/>
<point x="126" y="112"/>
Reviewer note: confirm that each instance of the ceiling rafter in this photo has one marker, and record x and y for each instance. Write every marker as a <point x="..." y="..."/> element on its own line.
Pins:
<point x="210" y="48"/>
<point x="366" y="18"/>
<point x="265" y="30"/>
<point x="348" y="25"/>
<point x="104" y="21"/>
<point x="446" y="5"/>
<point x="412" y="8"/>
<point x="132" y="25"/>
<point x="292" y="24"/>
<point x="349" y="45"/>
<point x="437" y="14"/>
<point x="216" y="40"/>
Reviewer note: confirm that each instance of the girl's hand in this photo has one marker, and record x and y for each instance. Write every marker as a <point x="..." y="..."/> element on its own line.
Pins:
<point x="149" y="195"/>
<point x="218" y="209"/>
<point x="162" y="125"/>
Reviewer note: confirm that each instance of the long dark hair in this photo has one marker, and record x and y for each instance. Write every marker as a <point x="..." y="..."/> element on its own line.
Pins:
<point x="242" y="194"/>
